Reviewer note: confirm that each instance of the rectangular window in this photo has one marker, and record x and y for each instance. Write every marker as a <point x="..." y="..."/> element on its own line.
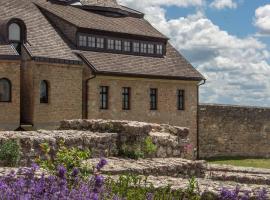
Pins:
<point x="91" y="42"/>
<point x="153" y="99"/>
<point x="150" y="48"/>
<point x="82" y="41"/>
<point x="143" y="48"/>
<point x="110" y="44"/>
<point x="118" y="45"/>
<point x="100" y="43"/>
<point x="126" y="98"/>
<point x="104" y="94"/>
<point x="181" y="100"/>
<point x="136" y="47"/>
<point x="159" y="49"/>
<point x="127" y="46"/>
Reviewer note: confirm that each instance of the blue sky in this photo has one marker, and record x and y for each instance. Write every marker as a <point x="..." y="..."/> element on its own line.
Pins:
<point x="228" y="41"/>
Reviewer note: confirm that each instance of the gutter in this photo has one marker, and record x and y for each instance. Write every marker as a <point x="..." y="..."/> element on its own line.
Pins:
<point x="198" y="118"/>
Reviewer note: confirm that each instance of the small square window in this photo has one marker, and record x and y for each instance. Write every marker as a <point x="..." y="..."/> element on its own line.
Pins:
<point x="127" y="46"/>
<point x="92" y="42"/>
<point x="82" y="41"/>
<point x="159" y="49"/>
<point x="150" y="48"/>
<point x="118" y="45"/>
<point x="136" y="47"/>
<point x="110" y="44"/>
<point x="143" y="48"/>
<point x="100" y="43"/>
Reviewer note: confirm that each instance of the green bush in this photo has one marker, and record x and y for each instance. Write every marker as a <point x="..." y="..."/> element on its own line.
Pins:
<point x="138" y="150"/>
<point x="10" y="153"/>
<point x="70" y="158"/>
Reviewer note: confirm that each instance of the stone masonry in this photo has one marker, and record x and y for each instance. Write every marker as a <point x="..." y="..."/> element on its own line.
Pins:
<point x="234" y="131"/>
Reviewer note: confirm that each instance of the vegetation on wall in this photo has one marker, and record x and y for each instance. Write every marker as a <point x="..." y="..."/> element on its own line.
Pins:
<point x="10" y="153"/>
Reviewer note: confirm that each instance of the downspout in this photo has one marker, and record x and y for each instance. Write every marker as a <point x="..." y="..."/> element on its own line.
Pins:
<point x="198" y="119"/>
<point x="86" y="95"/>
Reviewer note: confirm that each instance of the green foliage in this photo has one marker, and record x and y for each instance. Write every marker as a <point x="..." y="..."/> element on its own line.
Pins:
<point x="149" y="146"/>
<point x="138" y="150"/>
<point x="70" y="158"/>
<point x="193" y="189"/>
<point x="10" y="153"/>
<point x="130" y="187"/>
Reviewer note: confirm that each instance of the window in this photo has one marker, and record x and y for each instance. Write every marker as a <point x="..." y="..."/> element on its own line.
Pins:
<point x="143" y="48"/>
<point x="153" y="99"/>
<point x="5" y="90"/>
<point x="150" y="48"/>
<point x="104" y="91"/>
<point x="91" y="42"/>
<point x="14" y="36"/>
<point x="136" y="47"/>
<point x="100" y="43"/>
<point x="44" y="92"/>
<point x="110" y="44"/>
<point x="159" y="49"/>
<point x="82" y="41"/>
<point x="181" y="100"/>
<point x="118" y="45"/>
<point x="126" y="98"/>
<point x="127" y="46"/>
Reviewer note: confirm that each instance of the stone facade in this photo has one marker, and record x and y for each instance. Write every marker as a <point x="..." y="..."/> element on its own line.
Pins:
<point x="10" y="111"/>
<point x="140" y="102"/>
<point x="234" y="131"/>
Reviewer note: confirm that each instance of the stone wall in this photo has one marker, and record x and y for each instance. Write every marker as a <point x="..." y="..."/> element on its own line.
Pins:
<point x="140" y="102"/>
<point x="171" y="141"/>
<point x="234" y="131"/>
<point x="10" y="111"/>
<point x="102" y="137"/>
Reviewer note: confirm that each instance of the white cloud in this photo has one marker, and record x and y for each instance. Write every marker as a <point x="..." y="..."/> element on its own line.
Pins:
<point x="237" y="69"/>
<point x="222" y="4"/>
<point x="262" y="19"/>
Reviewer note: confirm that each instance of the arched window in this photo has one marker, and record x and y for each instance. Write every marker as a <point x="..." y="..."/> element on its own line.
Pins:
<point x="14" y="36"/>
<point x="5" y="90"/>
<point x="14" y="32"/>
<point x="44" y="92"/>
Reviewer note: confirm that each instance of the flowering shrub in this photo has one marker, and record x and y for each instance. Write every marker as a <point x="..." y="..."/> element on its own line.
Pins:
<point x="127" y="187"/>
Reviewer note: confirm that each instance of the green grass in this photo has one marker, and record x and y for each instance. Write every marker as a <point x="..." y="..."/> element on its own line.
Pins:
<point x="243" y="162"/>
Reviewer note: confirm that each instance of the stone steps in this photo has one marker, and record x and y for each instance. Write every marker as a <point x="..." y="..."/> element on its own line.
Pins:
<point x="175" y="167"/>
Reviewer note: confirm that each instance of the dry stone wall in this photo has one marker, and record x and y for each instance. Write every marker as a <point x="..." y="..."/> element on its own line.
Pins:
<point x="234" y="131"/>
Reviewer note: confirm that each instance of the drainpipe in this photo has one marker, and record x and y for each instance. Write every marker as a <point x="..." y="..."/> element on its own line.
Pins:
<point x="198" y="118"/>
<point x="86" y="95"/>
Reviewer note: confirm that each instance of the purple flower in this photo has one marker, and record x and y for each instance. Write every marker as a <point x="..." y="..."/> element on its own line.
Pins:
<point x="75" y="172"/>
<point x="99" y="180"/>
<point x="61" y="171"/>
<point x="262" y="195"/>
<point x="101" y="164"/>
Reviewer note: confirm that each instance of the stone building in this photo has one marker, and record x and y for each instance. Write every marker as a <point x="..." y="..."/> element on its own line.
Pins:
<point x="70" y="59"/>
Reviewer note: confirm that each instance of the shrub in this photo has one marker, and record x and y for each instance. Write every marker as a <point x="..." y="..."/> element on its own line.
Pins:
<point x="10" y="153"/>
<point x="69" y="158"/>
<point x="138" y="150"/>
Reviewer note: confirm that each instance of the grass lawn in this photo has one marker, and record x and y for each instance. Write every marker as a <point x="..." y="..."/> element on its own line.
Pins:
<point x="243" y="162"/>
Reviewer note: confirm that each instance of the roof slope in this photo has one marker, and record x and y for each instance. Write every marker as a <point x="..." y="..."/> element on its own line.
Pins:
<point x="42" y="38"/>
<point x="173" y="65"/>
<point x="81" y="18"/>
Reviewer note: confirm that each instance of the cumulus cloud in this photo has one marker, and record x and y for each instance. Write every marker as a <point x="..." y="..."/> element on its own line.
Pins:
<point x="222" y="4"/>
<point x="262" y="19"/>
<point x="237" y="69"/>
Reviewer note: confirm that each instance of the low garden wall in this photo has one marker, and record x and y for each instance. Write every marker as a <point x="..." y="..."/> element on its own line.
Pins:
<point x="228" y="131"/>
<point x="103" y="138"/>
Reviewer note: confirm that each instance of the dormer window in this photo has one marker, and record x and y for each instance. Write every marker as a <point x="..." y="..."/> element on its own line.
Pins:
<point x="150" y="48"/>
<point x="100" y="43"/>
<point x="82" y="41"/>
<point x="127" y="46"/>
<point x="136" y="47"/>
<point x="118" y="45"/>
<point x="143" y="48"/>
<point x="91" y="42"/>
<point x="14" y="36"/>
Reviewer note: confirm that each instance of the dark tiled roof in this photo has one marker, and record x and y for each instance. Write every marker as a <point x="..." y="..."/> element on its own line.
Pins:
<point x="91" y="20"/>
<point x="43" y="40"/>
<point x="173" y="65"/>
<point x="101" y="3"/>
<point x="7" y="50"/>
